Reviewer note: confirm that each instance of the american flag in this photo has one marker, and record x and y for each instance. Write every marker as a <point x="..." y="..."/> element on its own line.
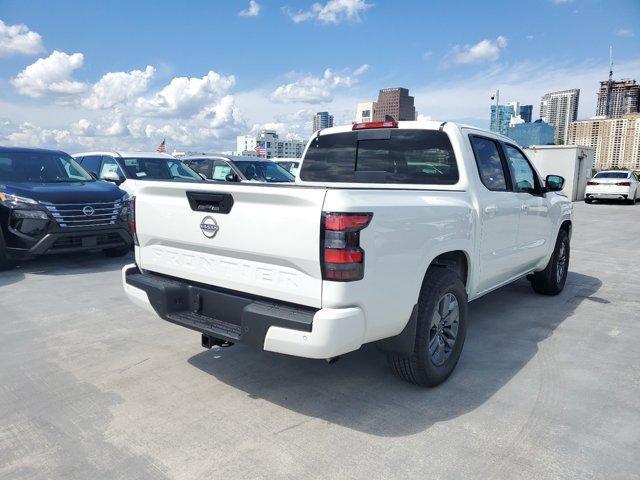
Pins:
<point x="261" y="149"/>
<point x="162" y="148"/>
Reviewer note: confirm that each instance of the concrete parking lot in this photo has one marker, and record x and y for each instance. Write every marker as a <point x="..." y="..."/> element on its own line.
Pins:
<point x="547" y="387"/>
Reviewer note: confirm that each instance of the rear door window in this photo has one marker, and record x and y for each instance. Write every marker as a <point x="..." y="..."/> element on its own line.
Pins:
<point x="489" y="163"/>
<point x="397" y="156"/>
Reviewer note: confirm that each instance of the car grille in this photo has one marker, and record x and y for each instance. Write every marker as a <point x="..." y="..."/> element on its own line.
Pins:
<point x="77" y="215"/>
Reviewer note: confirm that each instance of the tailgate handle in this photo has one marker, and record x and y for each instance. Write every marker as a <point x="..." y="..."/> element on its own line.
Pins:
<point x="210" y="202"/>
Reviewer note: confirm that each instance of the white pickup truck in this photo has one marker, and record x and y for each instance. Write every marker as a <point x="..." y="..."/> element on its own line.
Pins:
<point x="391" y="228"/>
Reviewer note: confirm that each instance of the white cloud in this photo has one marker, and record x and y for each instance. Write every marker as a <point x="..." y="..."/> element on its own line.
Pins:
<point x="312" y="89"/>
<point x="483" y="51"/>
<point x="253" y="10"/>
<point x="18" y="39"/>
<point x="560" y="2"/>
<point x="333" y="12"/>
<point x="51" y="76"/>
<point x="186" y="95"/>
<point x="625" y="32"/>
<point x="117" y="87"/>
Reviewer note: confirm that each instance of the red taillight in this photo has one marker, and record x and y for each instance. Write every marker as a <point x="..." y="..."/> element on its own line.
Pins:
<point x="368" y="125"/>
<point x="623" y="184"/>
<point x="592" y="183"/>
<point x="132" y="219"/>
<point x="342" y="257"/>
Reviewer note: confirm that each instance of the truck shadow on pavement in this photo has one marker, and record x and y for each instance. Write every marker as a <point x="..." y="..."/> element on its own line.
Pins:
<point x="64" y="264"/>
<point x="359" y="391"/>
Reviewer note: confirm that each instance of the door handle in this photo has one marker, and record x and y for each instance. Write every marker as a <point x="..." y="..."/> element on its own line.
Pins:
<point x="490" y="210"/>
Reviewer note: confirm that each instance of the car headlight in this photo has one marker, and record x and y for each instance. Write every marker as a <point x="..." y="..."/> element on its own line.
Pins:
<point x="31" y="214"/>
<point x="15" y="199"/>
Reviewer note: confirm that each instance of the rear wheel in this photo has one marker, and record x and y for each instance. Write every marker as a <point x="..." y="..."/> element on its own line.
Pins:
<point x="440" y="332"/>
<point x="551" y="280"/>
<point x="587" y="200"/>
<point x="116" y="252"/>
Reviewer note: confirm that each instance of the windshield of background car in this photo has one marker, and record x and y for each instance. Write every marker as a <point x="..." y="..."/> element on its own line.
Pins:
<point x="404" y="156"/>
<point x="159" y="169"/>
<point x="611" y="175"/>
<point x="262" y="171"/>
<point x="43" y="167"/>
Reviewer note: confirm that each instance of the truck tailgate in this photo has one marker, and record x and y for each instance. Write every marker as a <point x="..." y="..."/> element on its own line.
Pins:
<point x="266" y="244"/>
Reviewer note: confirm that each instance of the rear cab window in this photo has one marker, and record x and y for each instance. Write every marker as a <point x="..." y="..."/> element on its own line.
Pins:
<point x="395" y="156"/>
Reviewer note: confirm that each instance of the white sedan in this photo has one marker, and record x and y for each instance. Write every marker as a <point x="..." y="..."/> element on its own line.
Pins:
<point x="613" y="185"/>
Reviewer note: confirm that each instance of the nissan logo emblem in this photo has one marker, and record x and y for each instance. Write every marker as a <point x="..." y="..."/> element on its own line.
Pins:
<point x="209" y="227"/>
<point x="88" y="210"/>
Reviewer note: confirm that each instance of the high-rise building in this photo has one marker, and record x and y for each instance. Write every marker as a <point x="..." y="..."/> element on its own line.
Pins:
<point x="365" y="112"/>
<point x="616" y="140"/>
<point x="526" y="134"/>
<point x="526" y="112"/>
<point x="396" y="103"/>
<point x="623" y="98"/>
<point x="560" y="109"/>
<point x="500" y="123"/>
<point x="273" y="145"/>
<point x="322" y="120"/>
<point x="508" y="115"/>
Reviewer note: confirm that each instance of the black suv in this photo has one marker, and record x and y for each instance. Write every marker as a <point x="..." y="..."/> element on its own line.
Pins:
<point x="50" y="204"/>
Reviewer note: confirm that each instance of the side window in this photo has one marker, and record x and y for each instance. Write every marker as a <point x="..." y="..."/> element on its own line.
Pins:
<point x="109" y="165"/>
<point x="220" y="170"/>
<point x="91" y="163"/>
<point x="201" y="166"/>
<point x="524" y="178"/>
<point x="489" y="163"/>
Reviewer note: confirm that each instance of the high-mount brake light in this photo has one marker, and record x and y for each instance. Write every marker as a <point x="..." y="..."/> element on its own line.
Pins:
<point x="371" y="125"/>
<point x="342" y="257"/>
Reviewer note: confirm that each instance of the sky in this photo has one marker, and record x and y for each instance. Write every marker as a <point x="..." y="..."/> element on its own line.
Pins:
<point x="81" y="75"/>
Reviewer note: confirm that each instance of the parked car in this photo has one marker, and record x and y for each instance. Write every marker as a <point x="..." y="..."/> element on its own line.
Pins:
<point x="129" y="169"/>
<point x="291" y="165"/>
<point x="235" y="168"/>
<point x="50" y="204"/>
<point x="391" y="230"/>
<point x="613" y="185"/>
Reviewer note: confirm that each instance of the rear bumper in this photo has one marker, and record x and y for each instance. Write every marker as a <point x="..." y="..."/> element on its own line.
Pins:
<point x="613" y="194"/>
<point x="239" y="318"/>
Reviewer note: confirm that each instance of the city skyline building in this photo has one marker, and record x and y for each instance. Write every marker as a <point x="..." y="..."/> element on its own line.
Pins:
<point x="618" y="98"/>
<point x="526" y="134"/>
<point x="269" y="142"/>
<point x="365" y="111"/>
<point x="395" y="103"/>
<point x="615" y="140"/>
<point x="322" y="120"/>
<point x="559" y="109"/>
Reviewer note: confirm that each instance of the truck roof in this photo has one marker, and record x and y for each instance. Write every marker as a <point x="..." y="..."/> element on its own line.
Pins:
<point x="417" y="125"/>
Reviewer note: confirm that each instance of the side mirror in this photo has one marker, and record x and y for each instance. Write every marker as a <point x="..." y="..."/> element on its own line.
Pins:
<point x="554" y="183"/>
<point x="112" y="177"/>
<point x="231" y="177"/>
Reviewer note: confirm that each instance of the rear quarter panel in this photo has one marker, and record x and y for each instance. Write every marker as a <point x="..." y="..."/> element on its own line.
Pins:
<point x="408" y="230"/>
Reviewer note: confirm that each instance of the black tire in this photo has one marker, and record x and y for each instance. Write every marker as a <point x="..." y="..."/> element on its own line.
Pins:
<point x="423" y="367"/>
<point x="588" y="200"/>
<point x="116" y="251"/>
<point x="551" y="280"/>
